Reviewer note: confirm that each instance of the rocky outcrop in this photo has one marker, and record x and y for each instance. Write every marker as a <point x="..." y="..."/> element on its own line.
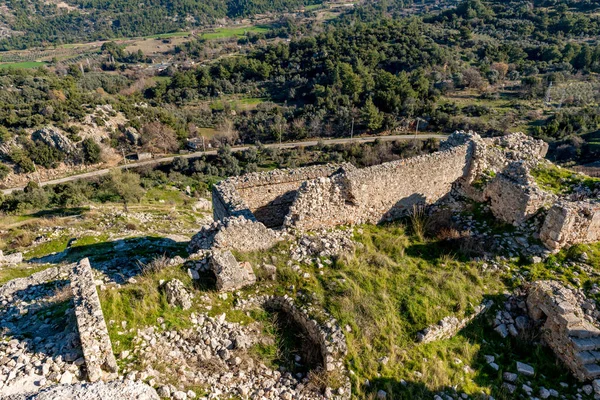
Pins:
<point x="230" y="274"/>
<point x="122" y="390"/>
<point x="52" y="137"/>
<point x="177" y="295"/>
<point x="95" y="342"/>
<point x="574" y="340"/>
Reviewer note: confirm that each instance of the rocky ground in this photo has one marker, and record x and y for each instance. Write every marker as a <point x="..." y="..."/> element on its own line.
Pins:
<point x="204" y="344"/>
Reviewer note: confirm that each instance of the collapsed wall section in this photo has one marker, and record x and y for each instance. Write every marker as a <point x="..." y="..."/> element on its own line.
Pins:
<point x="97" y="350"/>
<point x="379" y="193"/>
<point x="574" y="340"/>
<point x="514" y="196"/>
<point x="569" y="223"/>
<point x="263" y="196"/>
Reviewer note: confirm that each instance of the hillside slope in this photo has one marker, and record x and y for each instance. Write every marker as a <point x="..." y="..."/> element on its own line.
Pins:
<point x="26" y="23"/>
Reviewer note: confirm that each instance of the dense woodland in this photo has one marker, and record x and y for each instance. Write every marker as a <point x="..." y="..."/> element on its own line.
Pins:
<point x="89" y="20"/>
<point x="371" y="70"/>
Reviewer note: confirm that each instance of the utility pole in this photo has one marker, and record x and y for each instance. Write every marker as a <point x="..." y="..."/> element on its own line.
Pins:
<point x="203" y="145"/>
<point x="124" y="158"/>
<point x="352" y="129"/>
<point x="417" y="128"/>
<point x="37" y="174"/>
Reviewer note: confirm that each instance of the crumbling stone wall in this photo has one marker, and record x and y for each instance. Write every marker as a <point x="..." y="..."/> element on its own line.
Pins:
<point x="234" y="233"/>
<point x="449" y="326"/>
<point x="47" y="275"/>
<point x="326" y="335"/>
<point x="264" y="196"/>
<point x="97" y="350"/>
<point x="569" y="223"/>
<point x="514" y="196"/>
<point x="10" y="259"/>
<point x="379" y="193"/>
<point x="492" y="169"/>
<point x="573" y="339"/>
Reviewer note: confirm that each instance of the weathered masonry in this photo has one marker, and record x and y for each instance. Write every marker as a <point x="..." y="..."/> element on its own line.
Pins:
<point x="254" y="211"/>
<point x="95" y="342"/>
<point x="330" y="195"/>
<point x="575" y="341"/>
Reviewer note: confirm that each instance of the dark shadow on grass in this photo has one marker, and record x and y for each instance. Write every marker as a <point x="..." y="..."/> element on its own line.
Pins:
<point x="60" y="212"/>
<point x="120" y="259"/>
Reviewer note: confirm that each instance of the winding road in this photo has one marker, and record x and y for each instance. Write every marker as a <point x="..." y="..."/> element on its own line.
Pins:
<point x="169" y="159"/>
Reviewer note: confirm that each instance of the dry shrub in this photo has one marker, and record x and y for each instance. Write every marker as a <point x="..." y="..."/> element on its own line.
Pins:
<point x="156" y="265"/>
<point x="130" y="226"/>
<point x="23" y="239"/>
<point x="419" y="221"/>
<point x="319" y="380"/>
<point x="63" y="293"/>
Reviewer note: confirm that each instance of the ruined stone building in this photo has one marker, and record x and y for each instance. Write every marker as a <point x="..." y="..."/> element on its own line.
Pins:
<point x="254" y="210"/>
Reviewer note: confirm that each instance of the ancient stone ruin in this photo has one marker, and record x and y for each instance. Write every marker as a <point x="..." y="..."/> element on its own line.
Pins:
<point x="254" y="211"/>
<point x="93" y="334"/>
<point x="574" y="340"/>
<point x="230" y="274"/>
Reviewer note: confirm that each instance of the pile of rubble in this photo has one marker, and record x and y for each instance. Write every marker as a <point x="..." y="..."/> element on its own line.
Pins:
<point x="213" y="353"/>
<point x="322" y="243"/>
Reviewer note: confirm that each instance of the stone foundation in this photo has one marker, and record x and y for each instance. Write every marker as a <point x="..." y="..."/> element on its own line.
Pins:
<point x="575" y="341"/>
<point x="95" y="342"/>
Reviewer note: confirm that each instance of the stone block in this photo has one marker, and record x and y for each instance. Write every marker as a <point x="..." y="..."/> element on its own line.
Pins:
<point x="230" y="274"/>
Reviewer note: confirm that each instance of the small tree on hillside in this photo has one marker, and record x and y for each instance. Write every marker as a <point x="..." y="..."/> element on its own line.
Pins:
<point x="158" y="137"/>
<point x="125" y="185"/>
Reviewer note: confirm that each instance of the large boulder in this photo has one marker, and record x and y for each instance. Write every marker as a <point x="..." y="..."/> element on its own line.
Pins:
<point x="230" y="274"/>
<point x="52" y="137"/>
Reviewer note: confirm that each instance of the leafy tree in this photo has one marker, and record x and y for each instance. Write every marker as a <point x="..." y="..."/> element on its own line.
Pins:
<point x="371" y="116"/>
<point x="126" y="186"/>
<point x="92" y="153"/>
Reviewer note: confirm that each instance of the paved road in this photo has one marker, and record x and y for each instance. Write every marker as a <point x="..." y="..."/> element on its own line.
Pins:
<point x="240" y="148"/>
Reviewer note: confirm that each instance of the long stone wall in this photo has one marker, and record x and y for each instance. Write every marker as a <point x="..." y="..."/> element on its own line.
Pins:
<point x="95" y="342"/>
<point x="379" y="193"/>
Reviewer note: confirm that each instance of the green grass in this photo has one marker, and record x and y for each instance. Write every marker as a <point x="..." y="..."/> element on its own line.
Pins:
<point x="19" y="271"/>
<point x="223" y="33"/>
<point x="22" y="65"/>
<point x="386" y="291"/>
<point x="141" y="304"/>
<point x="560" y="180"/>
